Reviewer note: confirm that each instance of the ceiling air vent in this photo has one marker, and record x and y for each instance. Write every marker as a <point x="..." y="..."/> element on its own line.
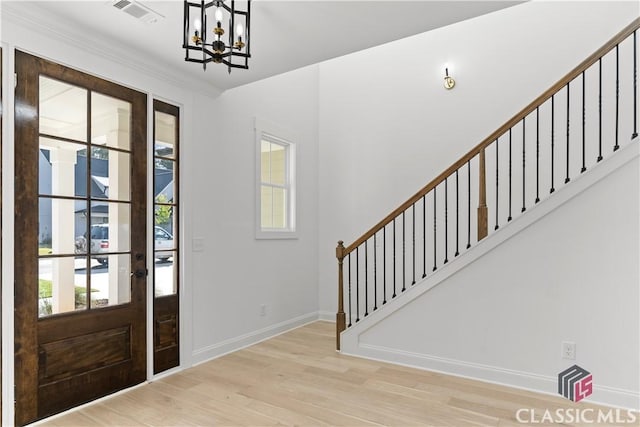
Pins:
<point x="137" y="10"/>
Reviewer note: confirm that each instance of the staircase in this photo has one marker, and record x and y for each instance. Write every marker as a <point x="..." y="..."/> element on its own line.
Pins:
<point x="573" y="137"/>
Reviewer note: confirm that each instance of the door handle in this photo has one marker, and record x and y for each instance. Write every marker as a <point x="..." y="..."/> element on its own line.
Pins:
<point x="140" y="273"/>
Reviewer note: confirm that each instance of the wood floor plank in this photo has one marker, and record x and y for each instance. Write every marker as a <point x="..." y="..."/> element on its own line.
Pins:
<point x="298" y="379"/>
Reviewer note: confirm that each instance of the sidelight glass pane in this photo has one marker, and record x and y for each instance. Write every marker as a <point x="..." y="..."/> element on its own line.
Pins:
<point x="61" y="226"/>
<point x="62" y="168"/>
<point x="164" y="180"/>
<point x="110" y="229"/>
<point x="62" y="109"/>
<point x="110" y="121"/>
<point x="163" y="233"/>
<point x="166" y="134"/>
<point x="111" y="281"/>
<point x="110" y="174"/>
<point x="62" y="285"/>
<point x="165" y="274"/>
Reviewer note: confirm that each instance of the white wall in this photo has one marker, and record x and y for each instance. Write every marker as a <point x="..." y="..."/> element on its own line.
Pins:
<point x="387" y="126"/>
<point x="571" y="276"/>
<point x="236" y="273"/>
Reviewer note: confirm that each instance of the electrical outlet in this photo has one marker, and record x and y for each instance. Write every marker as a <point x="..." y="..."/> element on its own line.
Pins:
<point x="569" y="350"/>
<point x="263" y="309"/>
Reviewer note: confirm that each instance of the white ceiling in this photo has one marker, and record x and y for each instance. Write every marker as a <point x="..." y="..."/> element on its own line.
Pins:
<point x="285" y="34"/>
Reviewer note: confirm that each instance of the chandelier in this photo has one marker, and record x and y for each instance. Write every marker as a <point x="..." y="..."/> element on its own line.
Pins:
<point x="218" y="33"/>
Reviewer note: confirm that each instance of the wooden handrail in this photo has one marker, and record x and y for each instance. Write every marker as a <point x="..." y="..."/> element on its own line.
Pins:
<point x="592" y="59"/>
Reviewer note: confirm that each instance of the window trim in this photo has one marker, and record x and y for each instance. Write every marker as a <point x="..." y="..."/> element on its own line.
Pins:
<point x="279" y="135"/>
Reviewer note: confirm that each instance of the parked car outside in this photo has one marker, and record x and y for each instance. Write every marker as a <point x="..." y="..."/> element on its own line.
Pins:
<point x="163" y="243"/>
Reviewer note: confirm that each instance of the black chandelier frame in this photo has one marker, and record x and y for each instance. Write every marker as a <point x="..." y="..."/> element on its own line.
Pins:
<point x="204" y="51"/>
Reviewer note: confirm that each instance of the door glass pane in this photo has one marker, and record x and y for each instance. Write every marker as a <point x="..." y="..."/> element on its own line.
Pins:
<point x="110" y="174"/>
<point x="62" y="168"/>
<point x="63" y="109"/>
<point x="110" y="121"/>
<point x="165" y="131"/>
<point x="62" y="285"/>
<point x="111" y="281"/>
<point x="164" y="180"/>
<point x="61" y="223"/>
<point x="110" y="229"/>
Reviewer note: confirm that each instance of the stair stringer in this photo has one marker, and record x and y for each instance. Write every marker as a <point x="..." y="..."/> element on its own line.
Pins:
<point x="350" y="338"/>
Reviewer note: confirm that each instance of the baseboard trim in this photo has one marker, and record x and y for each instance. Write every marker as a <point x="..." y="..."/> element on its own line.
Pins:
<point x="327" y="316"/>
<point x="603" y="395"/>
<point x="237" y="343"/>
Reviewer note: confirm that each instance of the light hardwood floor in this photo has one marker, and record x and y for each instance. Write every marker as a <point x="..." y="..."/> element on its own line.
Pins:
<point x="298" y="379"/>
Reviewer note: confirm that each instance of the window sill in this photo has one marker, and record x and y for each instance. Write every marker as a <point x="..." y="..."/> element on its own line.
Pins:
<point x="276" y="235"/>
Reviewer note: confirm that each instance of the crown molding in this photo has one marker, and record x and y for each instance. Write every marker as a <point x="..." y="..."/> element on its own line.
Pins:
<point x="37" y="20"/>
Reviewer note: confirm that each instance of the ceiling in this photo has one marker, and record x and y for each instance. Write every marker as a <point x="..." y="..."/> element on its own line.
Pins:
<point x="286" y="35"/>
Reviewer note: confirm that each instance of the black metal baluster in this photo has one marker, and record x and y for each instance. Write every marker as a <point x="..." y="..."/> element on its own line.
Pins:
<point x="567" y="179"/>
<point x="468" y="204"/>
<point x="497" y="172"/>
<point x="384" y="265"/>
<point x="635" y="88"/>
<point x="457" y="218"/>
<point x="357" y="285"/>
<point x="404" y="267"/>
<point x="537" y="154"/>
<point x="446" y="221"/>
<point x="584" y="120"/>
<point x="366" y="279"/>
<point x="375" y="272"/>
<point x="510" y="217"/>
<point x="424" y="236"/>
<point x="615" y="147"/>
<point x="349" y="269"/>
<point x="600" y="109"/>
<point x="553" y="134"/>
<point x="394" y="258"/>
<point x="523" y="164"/>
<point x="413" y="237"/>
<point x="435" y="267"/>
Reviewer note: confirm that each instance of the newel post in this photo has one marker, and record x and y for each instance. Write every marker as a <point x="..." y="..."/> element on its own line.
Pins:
<point x="483" y="215"/>
<point x="340" y="316"/>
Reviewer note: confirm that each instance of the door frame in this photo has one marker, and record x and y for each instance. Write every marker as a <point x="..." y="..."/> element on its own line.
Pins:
<point x="8" y="234"/>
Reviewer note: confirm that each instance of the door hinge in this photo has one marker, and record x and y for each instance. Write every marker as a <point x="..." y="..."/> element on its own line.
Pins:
<point x="15" y="80"/>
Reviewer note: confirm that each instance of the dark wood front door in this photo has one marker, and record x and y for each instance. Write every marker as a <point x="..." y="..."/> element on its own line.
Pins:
<point x="80" y="245"/>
